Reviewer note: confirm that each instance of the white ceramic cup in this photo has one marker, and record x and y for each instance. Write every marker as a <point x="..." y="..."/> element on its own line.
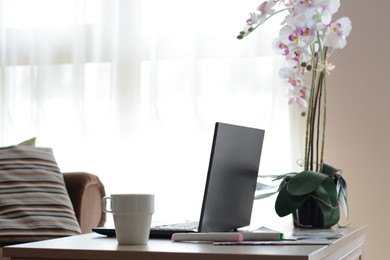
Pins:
<point x="132" y="216"/>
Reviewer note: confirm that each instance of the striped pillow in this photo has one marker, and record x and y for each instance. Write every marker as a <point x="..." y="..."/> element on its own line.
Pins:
<point x="34" y="203"/>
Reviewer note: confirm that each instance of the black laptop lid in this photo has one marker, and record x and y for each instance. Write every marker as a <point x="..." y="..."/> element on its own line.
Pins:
<point x="231" y="179"/>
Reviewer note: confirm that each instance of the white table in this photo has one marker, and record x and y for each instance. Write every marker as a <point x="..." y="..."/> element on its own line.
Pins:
<point x="94" y="246"/>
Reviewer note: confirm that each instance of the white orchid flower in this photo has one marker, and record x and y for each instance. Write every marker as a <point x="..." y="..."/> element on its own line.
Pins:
<point x="335" y="36"/>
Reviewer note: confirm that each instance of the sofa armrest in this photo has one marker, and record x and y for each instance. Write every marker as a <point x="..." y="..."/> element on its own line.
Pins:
<point x="86" y="192"/>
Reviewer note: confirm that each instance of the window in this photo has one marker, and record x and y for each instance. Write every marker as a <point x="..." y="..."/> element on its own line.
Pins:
<point x="130" y="89"/>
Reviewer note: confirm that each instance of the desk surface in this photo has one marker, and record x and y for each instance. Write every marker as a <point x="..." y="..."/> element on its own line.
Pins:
<point x="94" y="246"/>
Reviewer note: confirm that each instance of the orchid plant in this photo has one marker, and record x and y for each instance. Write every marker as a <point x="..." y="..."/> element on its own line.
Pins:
<point x="307" y="39"/>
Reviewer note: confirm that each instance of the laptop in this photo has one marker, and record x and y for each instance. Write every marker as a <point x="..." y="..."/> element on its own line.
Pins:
<point x="230" y="184"/>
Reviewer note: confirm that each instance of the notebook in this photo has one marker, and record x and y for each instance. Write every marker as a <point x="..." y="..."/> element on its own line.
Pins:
<point x="230" y="184"/>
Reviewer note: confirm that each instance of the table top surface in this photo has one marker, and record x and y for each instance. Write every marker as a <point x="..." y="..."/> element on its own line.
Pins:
<point x="95" y="246"/>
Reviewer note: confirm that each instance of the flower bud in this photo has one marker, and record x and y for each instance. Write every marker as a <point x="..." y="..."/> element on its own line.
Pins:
<point x="303" y="64"/>
<point x="240" y="37"/>
<point x="309" y="67"/>
<point x="303" y="114"/>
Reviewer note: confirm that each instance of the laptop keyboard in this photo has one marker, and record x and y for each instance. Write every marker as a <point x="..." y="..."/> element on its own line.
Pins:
<point x="166" y="231"/>
<point x="161" y="231"/>
<point x="188" y="226"/>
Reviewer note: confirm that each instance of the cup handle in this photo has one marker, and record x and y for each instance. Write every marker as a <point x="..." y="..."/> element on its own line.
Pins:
<point x="104" y="204"/>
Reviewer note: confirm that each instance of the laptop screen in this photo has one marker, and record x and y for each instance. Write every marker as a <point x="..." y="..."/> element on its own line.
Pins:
<point x="231" y="179"/>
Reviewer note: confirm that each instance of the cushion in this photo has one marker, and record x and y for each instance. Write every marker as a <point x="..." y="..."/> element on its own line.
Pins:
<point x="34" y="203"/>
<point x="29" y="142"/>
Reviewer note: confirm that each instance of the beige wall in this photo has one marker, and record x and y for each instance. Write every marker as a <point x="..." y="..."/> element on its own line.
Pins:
<point x="358" y="137"/>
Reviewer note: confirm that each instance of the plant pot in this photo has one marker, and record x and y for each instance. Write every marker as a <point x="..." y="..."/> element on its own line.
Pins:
<point x="308" y="215"/>
<point x="313" y="198"/>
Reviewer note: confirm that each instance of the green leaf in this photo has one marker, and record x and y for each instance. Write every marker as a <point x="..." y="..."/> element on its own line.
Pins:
<point x="265" y="195"/>
<point x="329" y="170"/>
<point x="276" y="177"/>
<point x="327" y="199"/>
<point x="262" y="186"/>
<point x="327" y="193"/>
<point x="286" y="204"/>
<point x="287" y="175"/>
<point x="305" y="182"/>
<point x="341" y="187"/>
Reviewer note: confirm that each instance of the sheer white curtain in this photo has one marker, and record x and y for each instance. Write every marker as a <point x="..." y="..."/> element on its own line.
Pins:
<point x="130" y="89"/>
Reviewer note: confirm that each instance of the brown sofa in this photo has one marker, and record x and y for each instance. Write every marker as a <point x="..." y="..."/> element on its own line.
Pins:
<point x="86" y="192"/>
